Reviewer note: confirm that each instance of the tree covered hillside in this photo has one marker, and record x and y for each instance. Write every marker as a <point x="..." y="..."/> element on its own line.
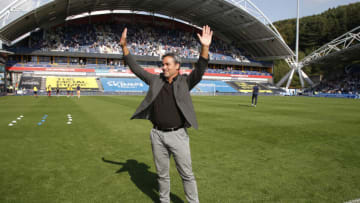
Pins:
<point x="315" y="31"/>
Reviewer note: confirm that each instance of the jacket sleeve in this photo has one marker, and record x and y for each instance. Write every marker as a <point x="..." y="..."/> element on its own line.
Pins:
<point x="196" y="75"/>
<point x="137" y="70"/>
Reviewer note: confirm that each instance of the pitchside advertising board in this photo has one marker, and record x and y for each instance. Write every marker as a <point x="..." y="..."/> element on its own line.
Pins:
<point x="123" y="85"/>
<point x="30" y="82"/>
<point x="136" y="85"/>
<point x="64" y="82"/>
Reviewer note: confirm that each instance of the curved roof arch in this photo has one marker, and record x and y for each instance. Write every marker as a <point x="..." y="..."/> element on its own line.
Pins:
<point x="345" y="48"/>
<point x="238" y="21"/>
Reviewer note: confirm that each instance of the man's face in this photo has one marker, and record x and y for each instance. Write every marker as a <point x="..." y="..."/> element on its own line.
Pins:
<point x="170" y="68"/>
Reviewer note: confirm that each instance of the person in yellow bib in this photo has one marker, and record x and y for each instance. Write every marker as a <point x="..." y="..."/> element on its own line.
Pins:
<point x="35" y="91"/>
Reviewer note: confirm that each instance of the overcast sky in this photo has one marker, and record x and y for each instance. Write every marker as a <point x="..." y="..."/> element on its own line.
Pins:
<point x="284" y="9"/>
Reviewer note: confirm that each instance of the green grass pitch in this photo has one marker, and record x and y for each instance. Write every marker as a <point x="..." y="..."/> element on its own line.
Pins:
<point x="287" y="149"/>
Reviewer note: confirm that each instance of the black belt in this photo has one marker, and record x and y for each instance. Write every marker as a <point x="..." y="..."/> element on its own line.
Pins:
<point x="167" y="129"/>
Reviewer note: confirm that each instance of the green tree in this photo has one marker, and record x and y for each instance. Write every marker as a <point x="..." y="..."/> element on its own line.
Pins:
<point x="315" y="31"/>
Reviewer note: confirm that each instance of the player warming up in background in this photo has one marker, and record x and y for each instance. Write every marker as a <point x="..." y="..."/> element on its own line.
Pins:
<point x="78" y="91"/>
<point x="48" y="89"/>
<point x="57" y="91"/>
<point x="255" y="95"/>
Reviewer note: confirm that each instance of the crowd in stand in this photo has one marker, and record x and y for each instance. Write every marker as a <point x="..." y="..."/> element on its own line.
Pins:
<point x="344" y="84"/>
<point x="142" y="40"/>
<point x="238" y="72"/>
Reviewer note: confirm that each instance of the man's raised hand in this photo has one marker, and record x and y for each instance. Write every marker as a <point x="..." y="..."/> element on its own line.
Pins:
<point x="123" y="43"/>
<point x="123" y="37"/>
<point x="205" y="38"/>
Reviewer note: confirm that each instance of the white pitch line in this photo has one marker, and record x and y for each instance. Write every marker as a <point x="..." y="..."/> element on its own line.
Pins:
<point x="353" y="201"/>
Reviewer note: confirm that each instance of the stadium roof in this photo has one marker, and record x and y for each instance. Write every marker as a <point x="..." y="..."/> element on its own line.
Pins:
<point x="344" y="49"/>
<point x="343" y="57"/>
<point x="238" y="21"/>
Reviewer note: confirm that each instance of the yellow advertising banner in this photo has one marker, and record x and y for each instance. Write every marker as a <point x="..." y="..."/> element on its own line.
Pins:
<point x="63" y="82"/>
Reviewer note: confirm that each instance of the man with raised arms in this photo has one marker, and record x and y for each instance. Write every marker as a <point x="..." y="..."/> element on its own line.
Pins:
<point x="169" y="107"/>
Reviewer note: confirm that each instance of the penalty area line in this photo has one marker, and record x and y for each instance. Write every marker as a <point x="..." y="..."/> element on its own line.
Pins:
<point x="353" y="201"/>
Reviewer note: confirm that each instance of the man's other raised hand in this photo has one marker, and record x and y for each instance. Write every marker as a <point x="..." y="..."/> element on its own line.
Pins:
<point x="205" y="37"/>
<point x="123" y="37"/>
<point x="123" y="42"/>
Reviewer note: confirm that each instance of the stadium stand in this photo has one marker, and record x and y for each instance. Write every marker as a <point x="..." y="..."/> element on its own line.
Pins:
<point x="145" y="41"/>
<point x="81" y="49"/>
<point x="347" y="83"/>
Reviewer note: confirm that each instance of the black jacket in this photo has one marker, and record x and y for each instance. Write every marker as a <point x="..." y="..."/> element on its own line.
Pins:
<point x="182" y="87"/>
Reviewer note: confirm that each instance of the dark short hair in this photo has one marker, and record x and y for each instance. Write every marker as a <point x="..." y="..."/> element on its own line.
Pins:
<point x="174" y="56"/>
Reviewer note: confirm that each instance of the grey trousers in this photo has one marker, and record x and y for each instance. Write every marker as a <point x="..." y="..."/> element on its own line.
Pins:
<point x="176" y="143"/>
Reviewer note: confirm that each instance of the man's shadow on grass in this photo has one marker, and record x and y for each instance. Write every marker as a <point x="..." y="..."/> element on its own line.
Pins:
<point x="144" y="179"/>
<point x="244" y="105"/>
